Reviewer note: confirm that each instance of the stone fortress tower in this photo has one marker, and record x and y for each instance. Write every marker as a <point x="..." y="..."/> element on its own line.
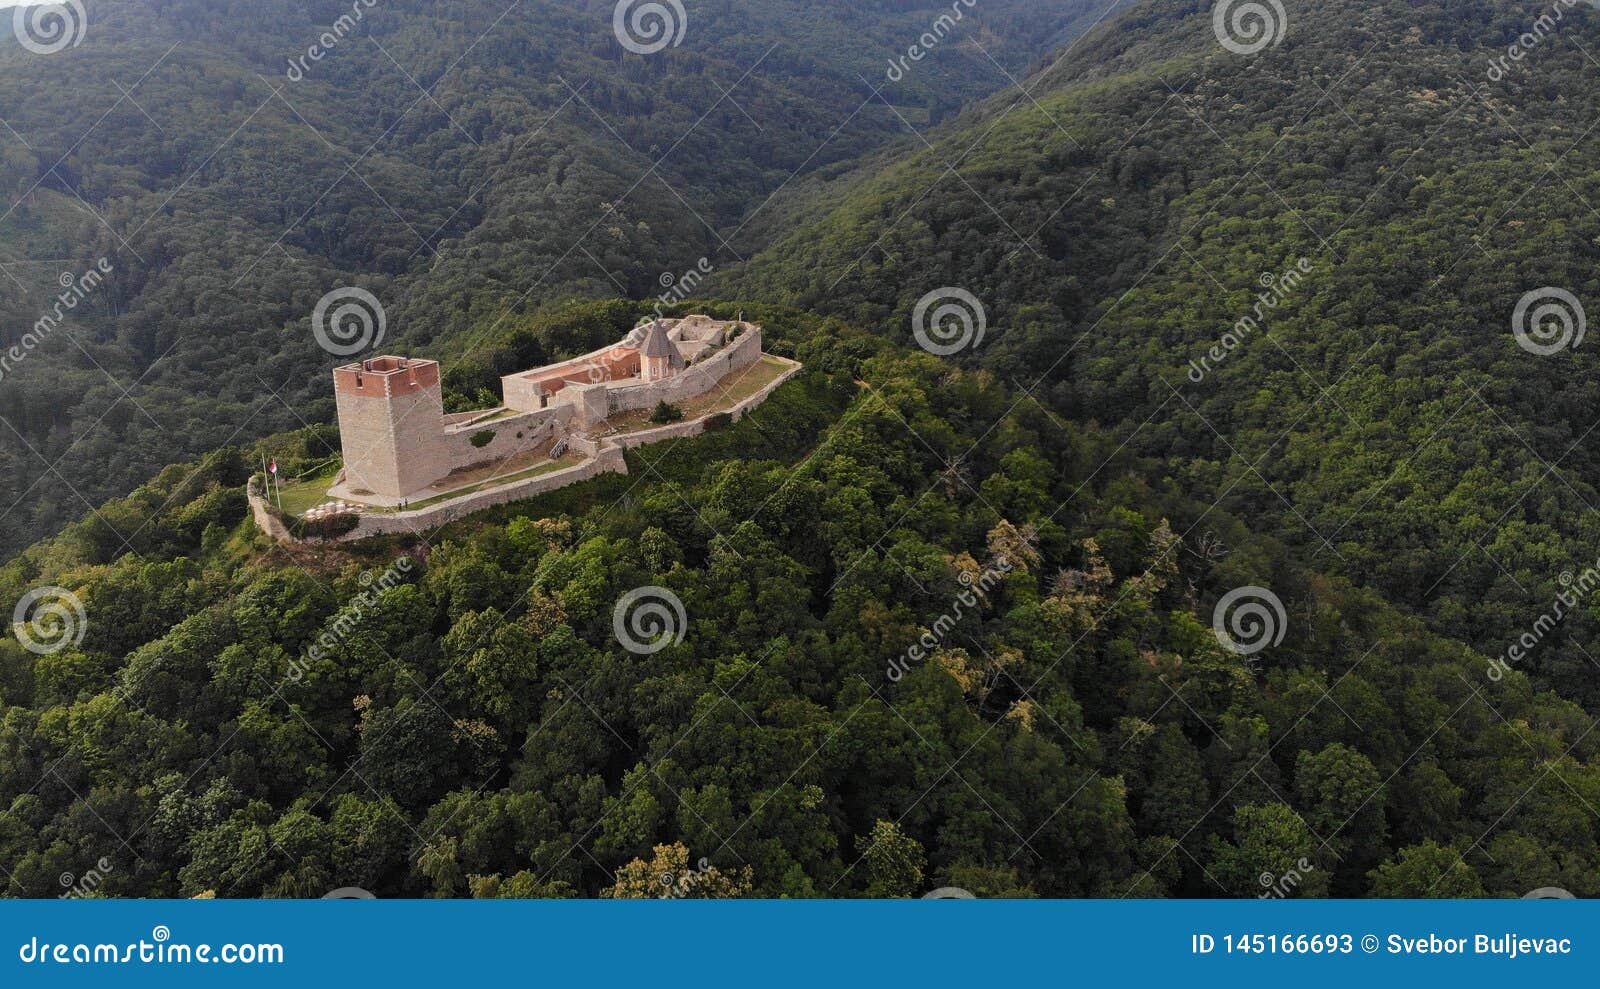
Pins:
<point x="391" y="423"/>
<point x="660" y="356"/>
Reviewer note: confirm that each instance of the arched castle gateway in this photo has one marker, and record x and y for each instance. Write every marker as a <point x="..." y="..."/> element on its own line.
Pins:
<point x="398" y="442"/>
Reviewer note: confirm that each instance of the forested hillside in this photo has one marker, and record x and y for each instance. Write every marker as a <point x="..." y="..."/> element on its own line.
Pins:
<point x="1376" y="192"/>
<point x="463" y="160"/>
<point x="1270" y="321"/>
<point x="457" y="716"/>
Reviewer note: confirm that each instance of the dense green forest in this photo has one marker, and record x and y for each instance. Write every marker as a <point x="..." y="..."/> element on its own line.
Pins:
<point x="472" y="726"/>
<point x="1383" y="420"/>
<point x="1058" y="507"/>
<point x="461" y="160"/>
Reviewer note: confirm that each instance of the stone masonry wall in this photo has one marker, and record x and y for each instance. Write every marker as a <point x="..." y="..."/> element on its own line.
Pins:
<point x="264" y="519"/>
<point x="422" y="521"/>
<point x="393" y="446"/>
<point x="534" y="427"/>
<point x="692" y="381"/>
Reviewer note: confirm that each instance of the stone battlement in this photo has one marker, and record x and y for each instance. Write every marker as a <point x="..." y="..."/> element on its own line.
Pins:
<point x="386" y="376"/>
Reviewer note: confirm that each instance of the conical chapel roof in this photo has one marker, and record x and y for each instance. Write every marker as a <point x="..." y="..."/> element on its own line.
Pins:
<point x="657" y="343"/>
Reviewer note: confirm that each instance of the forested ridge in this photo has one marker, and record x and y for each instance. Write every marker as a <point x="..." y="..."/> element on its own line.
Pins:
<point x="1383" y="419"/>
<point x="475" y="727"/>
<point x="454" y="715"/>
<point x="465" y="161"/>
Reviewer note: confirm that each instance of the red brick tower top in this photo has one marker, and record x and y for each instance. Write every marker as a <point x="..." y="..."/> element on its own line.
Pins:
<point x="386" y="377"/>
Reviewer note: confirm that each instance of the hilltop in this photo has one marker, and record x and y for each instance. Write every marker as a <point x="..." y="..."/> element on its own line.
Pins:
<point x="467" y="164"/>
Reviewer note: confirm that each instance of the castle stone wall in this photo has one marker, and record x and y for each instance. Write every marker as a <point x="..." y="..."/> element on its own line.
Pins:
<point x="605" y="456"/>
<point x="512" y="435"/>
<point x="425" y="520"/>
<point x="695" y="380"/>
<point x="265" y="520"/>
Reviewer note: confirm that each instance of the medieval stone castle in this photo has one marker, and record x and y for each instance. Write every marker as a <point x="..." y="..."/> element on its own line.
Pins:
<point x="399" y="444"/>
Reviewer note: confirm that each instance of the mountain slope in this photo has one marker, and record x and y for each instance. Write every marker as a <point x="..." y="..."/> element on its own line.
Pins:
<point x="458" y="715"/>
<point x="464" y="161"/>
<point x="1377" y="412"/>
